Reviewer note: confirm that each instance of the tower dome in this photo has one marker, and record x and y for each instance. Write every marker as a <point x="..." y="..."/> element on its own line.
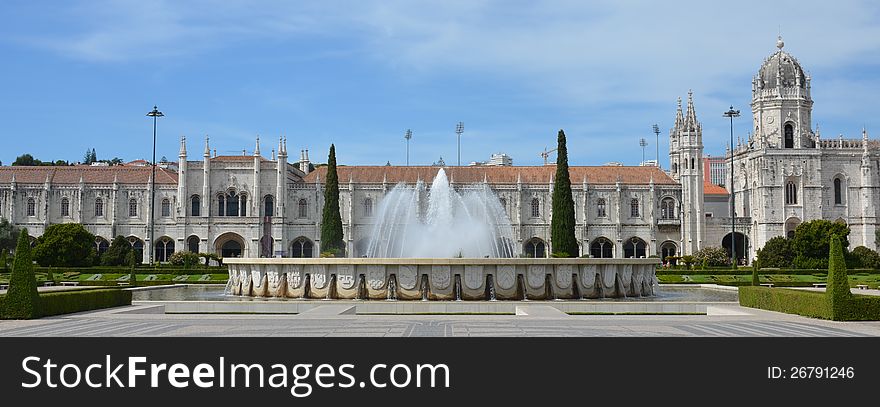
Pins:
<point x="781" y="69"/>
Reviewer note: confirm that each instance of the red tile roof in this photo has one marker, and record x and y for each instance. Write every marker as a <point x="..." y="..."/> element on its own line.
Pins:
<point x="124" y="174"/>
<point x="712" y="189"/>
<point x="502" y="175"/>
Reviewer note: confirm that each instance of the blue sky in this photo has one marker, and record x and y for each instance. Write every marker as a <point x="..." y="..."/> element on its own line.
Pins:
<point x="83" y="74"/>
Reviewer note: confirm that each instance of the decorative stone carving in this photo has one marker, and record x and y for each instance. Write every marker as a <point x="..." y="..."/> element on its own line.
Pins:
<point x="505" y="277"/>
<point x="609" y="274"/>
<point x="440" y="276"/>
<point x="345" y="276"/>
<point x="563" y="275"/>
<point x="273" y="278"/>
<point x="473" y="277"/>
<point x="407" y="276"/>
<point x="588" y="274"/>
<point x="294" y="276"/>
<point x="535" y="274"/>
<point x="376" y="276"/>
<point x="319" y="276"/>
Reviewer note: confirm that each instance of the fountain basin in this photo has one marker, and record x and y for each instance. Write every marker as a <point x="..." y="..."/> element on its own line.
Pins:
<point x="441" y="278"/>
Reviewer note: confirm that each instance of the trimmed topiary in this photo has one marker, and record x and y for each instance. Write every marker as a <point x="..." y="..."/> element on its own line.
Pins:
<point x="22" y="300"/>
<point x="331" y="219"/>
<point x="838" y="292"/>
<point x="755" y="280"/>
<point x="562" y="225"/>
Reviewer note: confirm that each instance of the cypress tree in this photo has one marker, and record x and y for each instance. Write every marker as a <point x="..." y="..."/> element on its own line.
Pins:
<point x="331" y="220"/>
<point x="838" y="293"/>
<point x="22" y="299"/>
<point x="562" y="235"/>
<point x="755" y="280"/>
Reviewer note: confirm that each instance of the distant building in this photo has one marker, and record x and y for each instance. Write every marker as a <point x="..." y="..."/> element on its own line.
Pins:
<point x="716" y="168"/>
<point x="649" y="163"/>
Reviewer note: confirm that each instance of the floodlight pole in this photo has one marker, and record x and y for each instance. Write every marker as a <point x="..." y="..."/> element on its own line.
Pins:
<point x="657" y="144"/>
<point x="155" y="114"/>
<point x="459" y="128"/>
<point x="731" y="114"/>
<point x="407" y="136"/>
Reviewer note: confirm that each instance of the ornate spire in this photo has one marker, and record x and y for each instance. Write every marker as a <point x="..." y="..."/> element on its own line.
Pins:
<point x="281" y="151"/>
<point x="207" y="147"/>
<point x="779" y="42"/>
<point x="679" y="119"/>
<point x="257" y="148"/>
<point x="691" y="115"/>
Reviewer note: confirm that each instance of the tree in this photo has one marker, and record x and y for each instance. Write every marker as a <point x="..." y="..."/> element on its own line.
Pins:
<point x="118" y="252"/>
<point x="562" y="235"/>
<point x="331" y="220"/>
<point x="26" y="159"/>
<point x="8" y="235"/>
<point x="837" y="292"/>
<point x="712" y="257"/>
<point x="755" y="280"/>
<point x="812" y="241"/>
<point x="93" y="156"/>
<point x="87" y="159"/>
<point x="777" y="253"/>
<point x="185" y="259"/>
<point x="66" y="244"/>
<point x="22" y="300"/>
<point x="863" y="257"/>
<point x="132" y="262"/>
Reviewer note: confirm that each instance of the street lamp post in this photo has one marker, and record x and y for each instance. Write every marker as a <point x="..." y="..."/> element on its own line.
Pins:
<point x="459" y="128"/>
<point x="155" y="114"/>
<point x="731" y="114"/>
<point x="407" y="136"/>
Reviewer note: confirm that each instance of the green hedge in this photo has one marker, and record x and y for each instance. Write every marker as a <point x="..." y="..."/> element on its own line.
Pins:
<point x="137" y="270"/>
<point x="70" y="301"/>
<point x="747" y="271"/>
<point x="809" y="303"/>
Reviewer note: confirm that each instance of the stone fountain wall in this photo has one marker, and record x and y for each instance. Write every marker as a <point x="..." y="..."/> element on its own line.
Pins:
<point x="441" y="279"/>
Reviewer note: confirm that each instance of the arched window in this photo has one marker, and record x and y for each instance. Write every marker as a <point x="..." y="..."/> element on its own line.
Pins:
<point x="536" y="208"/>
<point x="838" y="192"/>
<point x="675" y="168"/>
<point x="164" y="249"/>
<point x="692" y="164"/>
<point x="232" y="248"/>
<point x="195" y="206"/>
<point x="229" y="204"/>
<point x="789" y="136"/>
<point x="99" y="207"/>
<point x="242" y="206"/>
<point x="138" y="246"/>
<point x="101" y="245"/>
<point x="503" y="203"/>
<point x="31" y="207"/>
<point x="667" y="208"/>
<point x="600" y="208"/>
<point x="166" y="208"/>
<point x="132" y="207"/>
<point x="192" y="244"/>
<point x="301" y="247"/>
<point x="65" y="207"/>
<point x="368" y="207"/>
<point x="269" y="206"/>
<point x="535" y="248"/>
<point x="602" y="248"/>
<point x="634" y="208"/>
<point x="791" y="193"/>
<point x="667" y="249"/>
<point x="302" y="209"/>
<point x="634" y="247"/>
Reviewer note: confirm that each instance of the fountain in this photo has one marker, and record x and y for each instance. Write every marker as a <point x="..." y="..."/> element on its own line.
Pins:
<point x="442" y="243"/>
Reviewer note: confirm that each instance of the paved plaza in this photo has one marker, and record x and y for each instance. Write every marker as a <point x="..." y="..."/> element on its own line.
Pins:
<point x="149" y="320"/>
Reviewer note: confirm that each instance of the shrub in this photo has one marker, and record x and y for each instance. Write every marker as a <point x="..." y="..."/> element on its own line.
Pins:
<point x="755" y="280"/>
<point x="776" y="252"/>
<point x="863" y="257"/>
<point x="335" y="252"/>
<point x="4" y="262"/>
<point x="66" y="244"/>
<point x="66" y="302"/>
<point x="838" y="291"/>
<point x="559" y="255"/>
<point x="803" y="262"/>
<point x="688" y="260"/>
<point x="185" y="259"/>
<point x="806" y="303"/>
<point x="22" y="300"/>
<point x="812" y="239"/>
<point x="118" y="252"/>
<point x="712" y="256"/>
